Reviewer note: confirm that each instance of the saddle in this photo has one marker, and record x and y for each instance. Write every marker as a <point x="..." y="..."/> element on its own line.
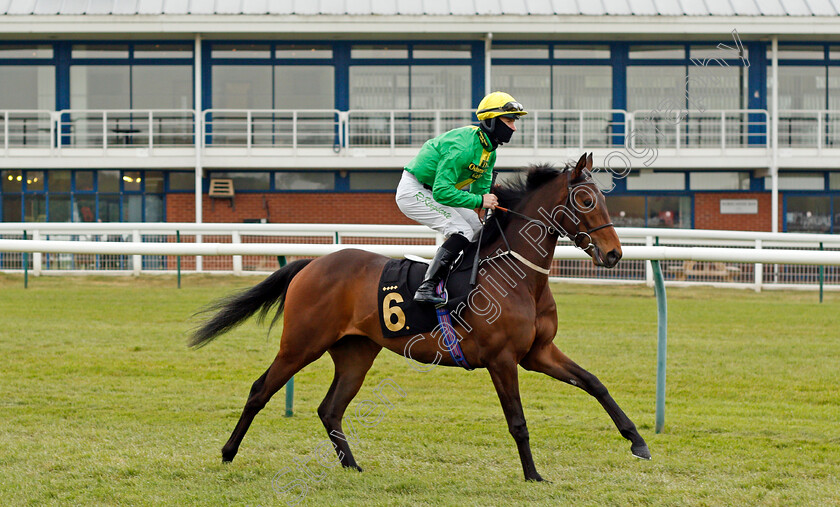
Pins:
<point x="399" y="315"/>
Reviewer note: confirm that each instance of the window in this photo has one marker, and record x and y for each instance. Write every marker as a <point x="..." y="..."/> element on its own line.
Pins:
<point x="808" y="214"/>
<point x="163" y="51"/>
<point x="528" y="83"/>
<point x="626" y="211"/>
<point x="648" y="87"/>
<point x="656" y="181"/>
<point x="719" y="180"/>
<point x="296" y="51"/>
<point x="379" y="87"/>
<point x="304" y="87"/>
<point x="245" y="181"/>
<point x="100" y="87"/>
<point x="304" y="180"/>
<point x="587" y="52"/>
<point x="99" y="51"/>
<point x="26" y="51"/>
<point x="132" y="181"/>
<point x="800" y="181"/>
<point x="162" y="87"/>
<point x="242" y="87"/>
<point x="379" y="51"/>
<point x="441" y="51"/>
<point x="797" y="53"/>
<point x="375" y="180"/>
<point x="834" y="181"/>
<point x="241" y="51"/>
<point x="181" y="181"/>
<point x="800" y="88"/>
<point x="27" y="87"/>
<point x="518" y="51"/>
<point x="109" y="181"/>
<point x="440" y="87"/>
<point x="11" y="181"/>
<point x="658" y="52"/>
<point x="669" y="211"/>
<point x="588" y="87"/>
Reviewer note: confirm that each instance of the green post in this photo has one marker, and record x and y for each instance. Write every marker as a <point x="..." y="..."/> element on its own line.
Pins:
<point x="822" y="276"/>
<point x="25" y="266"/>
<point x="178" y="240"/>
<point x="661" y="348"/>
<point x="290" y="397"/>
<point x="290" y="385"/>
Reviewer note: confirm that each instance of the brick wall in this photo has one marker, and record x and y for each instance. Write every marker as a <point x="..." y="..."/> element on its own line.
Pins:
<point x="707" y="212"/>
<point x="348" y="208"/>
<point x="380" y="208"/>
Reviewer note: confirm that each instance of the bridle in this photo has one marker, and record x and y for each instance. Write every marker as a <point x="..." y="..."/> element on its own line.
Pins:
<point x="576" y="238"/>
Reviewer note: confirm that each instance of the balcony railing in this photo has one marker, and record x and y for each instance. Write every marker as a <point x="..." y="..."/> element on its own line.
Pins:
<point x="269" y="128"/>
<point x="27" y="129"/>
<point x="386" y="130"/>
<point x="126" y="128"/>
<point x="809" y="129"/>
<point x="718" y="129"/>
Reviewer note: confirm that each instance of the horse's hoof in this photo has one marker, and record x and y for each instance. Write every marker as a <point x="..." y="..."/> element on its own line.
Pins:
<point x="227" y="457"/>
<point x="536" y="478"/>
<point x="640" y="451"/>
<point x="354" y="467"/>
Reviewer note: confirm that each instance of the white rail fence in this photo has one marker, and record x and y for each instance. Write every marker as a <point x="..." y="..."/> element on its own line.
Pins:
<point x="541" y="129"/>
<point x="729" y="258"/>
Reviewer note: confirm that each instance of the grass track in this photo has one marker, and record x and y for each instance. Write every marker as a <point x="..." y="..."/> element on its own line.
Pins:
<point x="103" y="404"/>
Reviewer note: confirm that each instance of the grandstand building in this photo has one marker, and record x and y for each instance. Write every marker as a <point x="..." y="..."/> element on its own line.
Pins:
<point x="282" y="111"/>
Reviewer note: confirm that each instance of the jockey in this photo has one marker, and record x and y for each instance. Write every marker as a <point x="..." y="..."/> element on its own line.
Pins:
<point x="450" y="178"/>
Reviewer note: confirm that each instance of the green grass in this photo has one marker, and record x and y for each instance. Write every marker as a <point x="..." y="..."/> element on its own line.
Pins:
<point x="102" y="403"/>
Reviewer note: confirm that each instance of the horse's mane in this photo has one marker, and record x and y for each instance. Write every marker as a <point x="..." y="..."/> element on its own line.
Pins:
<point x="515" y="193"/>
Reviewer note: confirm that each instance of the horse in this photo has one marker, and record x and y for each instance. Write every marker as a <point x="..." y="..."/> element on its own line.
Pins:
<point x="331" y="306"/>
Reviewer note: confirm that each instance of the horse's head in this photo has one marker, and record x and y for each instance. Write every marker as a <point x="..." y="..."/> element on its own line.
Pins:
<point x="547" y="203"/>
<point x="586" y="220"/>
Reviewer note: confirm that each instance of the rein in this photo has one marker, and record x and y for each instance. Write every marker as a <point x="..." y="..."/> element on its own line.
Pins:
<point x="576" y="238"/>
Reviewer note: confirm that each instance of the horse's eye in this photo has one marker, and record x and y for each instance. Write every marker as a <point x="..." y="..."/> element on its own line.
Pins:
<point x="587" y="203"/>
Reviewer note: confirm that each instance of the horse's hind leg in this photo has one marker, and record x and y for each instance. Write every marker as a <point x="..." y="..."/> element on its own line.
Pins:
<point x="280" y="371"/>
<point x="551" y="361"/>
<point x="353" y="357"/>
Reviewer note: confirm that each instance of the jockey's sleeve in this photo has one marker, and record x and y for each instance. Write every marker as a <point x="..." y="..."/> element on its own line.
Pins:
<point x="448" y="170"/>
<point x="482" y="185"/>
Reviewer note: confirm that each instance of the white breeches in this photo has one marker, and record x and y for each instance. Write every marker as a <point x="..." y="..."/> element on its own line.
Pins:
<point x="417" y="203"/>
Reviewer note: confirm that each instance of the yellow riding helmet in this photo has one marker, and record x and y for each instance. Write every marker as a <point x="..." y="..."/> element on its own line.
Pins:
<point x="499" y="104"/>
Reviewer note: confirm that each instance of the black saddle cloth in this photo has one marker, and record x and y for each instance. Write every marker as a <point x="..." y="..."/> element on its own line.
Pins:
<point x="399" y="315"/>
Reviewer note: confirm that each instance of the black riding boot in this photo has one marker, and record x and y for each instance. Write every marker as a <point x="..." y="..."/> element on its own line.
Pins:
<point x="440" y="265"/>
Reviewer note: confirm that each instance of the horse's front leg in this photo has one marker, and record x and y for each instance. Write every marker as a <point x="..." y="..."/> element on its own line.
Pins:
<point x="550" y="360"/>
<point x="506" y="379"/>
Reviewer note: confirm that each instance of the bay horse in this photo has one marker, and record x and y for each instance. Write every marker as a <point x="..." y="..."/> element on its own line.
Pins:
<point x="331" y="306"/>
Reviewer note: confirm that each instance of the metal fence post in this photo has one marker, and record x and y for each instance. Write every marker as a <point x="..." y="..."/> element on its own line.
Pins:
<point x="759" y="269"/>
<point x="661" y="345"/>
<point x="648" y="268"/>
<point x="25" y="266"/>
<point x="178" y="240"/>
<point x="822" y="275"/>
<point x="236" y="238"/>
<point x="36" y="256"/>
<point x="136" y="260"/>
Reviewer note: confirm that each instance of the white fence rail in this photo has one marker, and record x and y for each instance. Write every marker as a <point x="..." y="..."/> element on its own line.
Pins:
<point x="540" y="129"/>
<point x="733" y="258"/>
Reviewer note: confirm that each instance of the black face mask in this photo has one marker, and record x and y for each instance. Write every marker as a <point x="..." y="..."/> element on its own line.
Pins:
<point x="496" y="129"/>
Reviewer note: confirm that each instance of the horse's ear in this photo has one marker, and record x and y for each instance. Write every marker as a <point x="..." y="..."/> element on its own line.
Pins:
<point x="589" y="162"/>
<point x="578" y="170"/>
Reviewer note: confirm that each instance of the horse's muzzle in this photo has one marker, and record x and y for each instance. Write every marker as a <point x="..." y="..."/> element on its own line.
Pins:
<point x="612" y="258"/>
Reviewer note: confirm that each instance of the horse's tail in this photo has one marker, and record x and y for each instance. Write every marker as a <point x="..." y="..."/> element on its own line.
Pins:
<point x="233" y="310"/>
